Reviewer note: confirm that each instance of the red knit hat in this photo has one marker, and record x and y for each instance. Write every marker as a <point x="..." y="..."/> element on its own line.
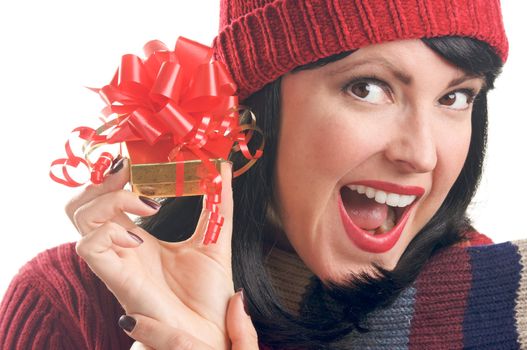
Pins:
<point x="260" y="40"/>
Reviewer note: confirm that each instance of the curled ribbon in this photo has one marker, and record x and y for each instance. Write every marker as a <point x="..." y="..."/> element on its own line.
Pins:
<point x="182" y="97"/>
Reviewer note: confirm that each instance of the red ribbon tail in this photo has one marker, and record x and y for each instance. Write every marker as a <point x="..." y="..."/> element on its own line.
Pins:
<point x="213" y="228"/>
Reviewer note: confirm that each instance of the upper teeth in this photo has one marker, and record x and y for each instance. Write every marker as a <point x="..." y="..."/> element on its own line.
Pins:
<point x="391" y="199"/>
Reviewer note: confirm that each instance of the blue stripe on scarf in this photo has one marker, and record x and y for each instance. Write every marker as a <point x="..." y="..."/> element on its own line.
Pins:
<point x="495" y="267"/>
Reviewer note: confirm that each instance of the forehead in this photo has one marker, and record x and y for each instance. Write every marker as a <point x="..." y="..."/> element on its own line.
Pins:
<point x="395" y="54"/>
<point x="407" y="60"/>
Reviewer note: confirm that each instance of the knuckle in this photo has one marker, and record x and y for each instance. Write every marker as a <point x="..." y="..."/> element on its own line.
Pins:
<point x="118" y="199"/>
<point x="73" y="205"/>
<point x="107" y="231"/>
<point x="121" y="195"/>
<point x="84" y="246"/>
<point x="77" y="216"/>
<point x="70" y="208"/>
<point x="89" y="191"/>
<point x="91" y="188"/>
<point x="142" y="330"/>
<point x="111" y="227"/>
<point x="81" y="248"/>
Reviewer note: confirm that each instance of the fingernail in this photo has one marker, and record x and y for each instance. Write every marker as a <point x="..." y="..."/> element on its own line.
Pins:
<point x="242" y="295"/>
<point x="135" y="237"/>
<point x="117" y="164"/>
<point x="150" y="202"/>
<point x="127" y="323"/>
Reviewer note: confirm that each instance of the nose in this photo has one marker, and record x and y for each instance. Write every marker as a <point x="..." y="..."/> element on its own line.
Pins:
<point x="413" y="148"/>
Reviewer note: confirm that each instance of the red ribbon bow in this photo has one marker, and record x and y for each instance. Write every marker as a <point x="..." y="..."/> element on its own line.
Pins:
<point x="181" y="96"/>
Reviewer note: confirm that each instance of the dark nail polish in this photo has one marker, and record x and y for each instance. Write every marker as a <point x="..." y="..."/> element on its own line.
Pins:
<point x="244" y="301"/>
<point x="127" y="323"/>
<point x="117" y="164"/>
<point x="150" y="202"/>
<point x="136" y="237"/>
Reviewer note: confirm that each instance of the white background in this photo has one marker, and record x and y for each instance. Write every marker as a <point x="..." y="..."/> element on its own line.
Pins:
<point x="51" y="49"/>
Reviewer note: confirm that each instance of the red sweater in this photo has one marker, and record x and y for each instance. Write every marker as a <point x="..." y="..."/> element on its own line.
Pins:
<point x="56" y="302"/>
<point x="465" y="297"/>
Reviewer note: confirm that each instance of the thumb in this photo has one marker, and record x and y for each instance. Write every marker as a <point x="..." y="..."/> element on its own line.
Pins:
<point x="240" y="328"/>
<point x="150" y="333"/>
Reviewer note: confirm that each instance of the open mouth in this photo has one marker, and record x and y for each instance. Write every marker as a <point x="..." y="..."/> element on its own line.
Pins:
<point x="373" y="218"/>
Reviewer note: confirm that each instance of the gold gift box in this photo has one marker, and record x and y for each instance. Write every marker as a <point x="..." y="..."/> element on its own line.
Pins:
<point x="159" y="179"/>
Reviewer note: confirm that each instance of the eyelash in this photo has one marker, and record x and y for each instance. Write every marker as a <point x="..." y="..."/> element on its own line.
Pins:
<point x="469" y="92"/>
<point x="366" y="79"/>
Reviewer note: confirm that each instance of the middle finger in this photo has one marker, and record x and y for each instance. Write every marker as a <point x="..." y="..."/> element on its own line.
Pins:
<point x="113" y="206"/>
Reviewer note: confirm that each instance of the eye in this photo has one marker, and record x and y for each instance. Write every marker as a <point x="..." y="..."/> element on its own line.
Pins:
<point x="458" y="100"/>
<point x="369" y="90"/>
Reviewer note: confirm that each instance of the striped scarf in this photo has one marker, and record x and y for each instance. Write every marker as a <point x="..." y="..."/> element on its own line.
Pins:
<point x="464" y="298"/>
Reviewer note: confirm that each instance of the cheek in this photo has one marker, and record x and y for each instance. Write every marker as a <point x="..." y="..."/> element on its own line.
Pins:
<point x="452" y="151"/>
<point x="324" y="144"/>
<point x="304" y="156"/>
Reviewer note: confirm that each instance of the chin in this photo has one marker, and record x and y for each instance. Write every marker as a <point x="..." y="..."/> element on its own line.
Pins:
<point x="346" y="259"/>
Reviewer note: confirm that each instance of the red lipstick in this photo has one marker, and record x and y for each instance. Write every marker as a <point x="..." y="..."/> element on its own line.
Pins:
<point x="379" y="243"/>
<point x="391" y="187"/>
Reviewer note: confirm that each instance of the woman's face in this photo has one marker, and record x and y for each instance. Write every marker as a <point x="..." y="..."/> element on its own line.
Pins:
<point x="369" y="148"/>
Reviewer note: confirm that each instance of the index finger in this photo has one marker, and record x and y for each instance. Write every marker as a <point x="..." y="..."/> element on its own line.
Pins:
<point x="117" y="178"/>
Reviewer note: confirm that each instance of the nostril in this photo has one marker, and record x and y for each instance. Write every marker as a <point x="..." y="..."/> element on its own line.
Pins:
<point x="413" y="148"/>
<point x="413" y="161"/>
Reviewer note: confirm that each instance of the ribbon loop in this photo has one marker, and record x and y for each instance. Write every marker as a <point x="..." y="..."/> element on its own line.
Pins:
<point x="171" y="106"/>
<point x="178" y="121"/>
<point x="132" y="72"/>
<point x="168" y="83"/>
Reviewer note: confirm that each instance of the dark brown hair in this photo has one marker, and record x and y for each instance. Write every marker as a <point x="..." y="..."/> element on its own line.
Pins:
<point x="254" y="191"/>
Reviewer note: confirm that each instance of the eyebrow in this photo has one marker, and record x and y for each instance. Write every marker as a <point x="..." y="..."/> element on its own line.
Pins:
<point x="466" y="77"/>
<point x="401" y="76"/>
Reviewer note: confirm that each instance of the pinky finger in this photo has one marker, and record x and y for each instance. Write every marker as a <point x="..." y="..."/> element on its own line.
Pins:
<point x="158" y="335"/>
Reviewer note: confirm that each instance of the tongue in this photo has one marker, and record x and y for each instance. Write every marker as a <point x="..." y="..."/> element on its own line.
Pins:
<point x="364" y="212"/>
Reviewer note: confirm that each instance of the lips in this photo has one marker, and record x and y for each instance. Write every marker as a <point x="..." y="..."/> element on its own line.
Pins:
<point x="383" y="242"/>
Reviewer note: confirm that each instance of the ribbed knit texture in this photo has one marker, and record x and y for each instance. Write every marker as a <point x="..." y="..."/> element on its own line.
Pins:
<point x="388" y="329"/>
<point x="521" y="305"/>
<point x="441" y="285"/>
<point x="56" y="302"/>
<point x="492" y="298"/>
<point x="465" y="297"/>
<point x="260" y="40"/>
<point x="290" y="275"/>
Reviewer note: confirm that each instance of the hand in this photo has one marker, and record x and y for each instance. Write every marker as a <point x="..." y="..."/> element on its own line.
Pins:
<point x="185" y="286"/>
<point x="162" y="337"/>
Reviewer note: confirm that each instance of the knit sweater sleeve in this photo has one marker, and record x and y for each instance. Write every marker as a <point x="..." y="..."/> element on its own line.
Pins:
<point x="56" y="302"/>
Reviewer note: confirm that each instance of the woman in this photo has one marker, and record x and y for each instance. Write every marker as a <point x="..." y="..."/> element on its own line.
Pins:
<point x="351" y="232"/>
